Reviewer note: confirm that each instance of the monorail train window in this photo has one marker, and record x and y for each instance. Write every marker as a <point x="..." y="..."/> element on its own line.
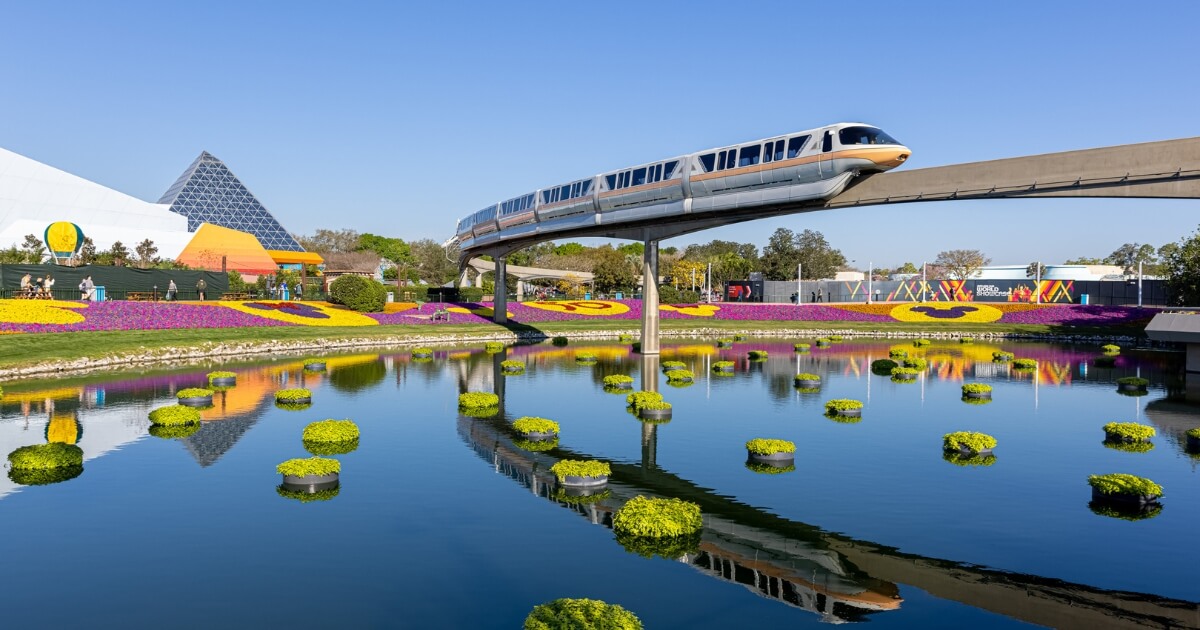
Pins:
<point x="864" y="135"/>
<point x="669" y="169"/>
<point x="777" y="151"/>
<point x="748" y="156"/>
<point x="639" y="176"/>
<point x="796" y="145"/>
<point x="721" y="160"/>
<point x="587" y="188"/>
<point x="707" y="162"/>
<point x="730" y="158"/>
<point x="610" y="181"/>
<point x="624" y="183"/>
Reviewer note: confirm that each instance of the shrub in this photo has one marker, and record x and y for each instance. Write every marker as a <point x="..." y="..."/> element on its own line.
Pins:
<point x="667" y="366"/>
<point x="175" y="415"/>
<point x="565" y="613"/>
<point x="717" y="365"/>
<point x="966" y="340"/>
<point x="905" y="371"/>
<point x="536" y="446"/>
<point x="493" y="346"/>
<point x="768" y="469"/>
<point x="843" y="404"/>
<point x="559" y="341"/>
<point x="422" y="352"/>
<point x="768" y="446"/>
<point x="974" y="442"/>
<point x="976" y="388"/>
<point x="959" y="459"/>
<point x="897" y="353"/>
<point x="580" y="468"/>
<point x="917" y="363"/>
<point x="45" y="456"/>
<point x="173" y="431"/>
<point x="681" y="375"/>
<point x="529" y="424"/>
<point x="1133" y="381"/>
<point x="805" y="376"/>
<point x="305" y="467"/>
<point x="330" y="431"/>
<point x="758" y="354"/>
<point x="1130" y="431"/>
<point x="801" y="347"/>
<point x="1024" y="364"/>
<point x="357" y="293"/>
<point x="883" y="367"/>
<point x="586" y="357"/>
<point x="616" y="380"/>
<point x="1105" y="361"/>
<point x="1000" y="355"/>
<point x="223" y="374"/>
<point x="194" y="392"/>
<point x="304" y="496"/>
<point x="1111" y="348"/>
<point x="1120" y="483"/>
<point x="511" y="365"/>
<point x="477" y="400"/>
<point x="292" y="395"/>
<point x="657" y="518"/>
<point x="921" y="342"/>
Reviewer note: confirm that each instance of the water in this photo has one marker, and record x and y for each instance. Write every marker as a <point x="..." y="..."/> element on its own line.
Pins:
<point x="440" y="522"/>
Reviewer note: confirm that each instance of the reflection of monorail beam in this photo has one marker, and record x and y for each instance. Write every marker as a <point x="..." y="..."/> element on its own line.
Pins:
<point x="1031" y="598"/>
<point x="796" y="572"/>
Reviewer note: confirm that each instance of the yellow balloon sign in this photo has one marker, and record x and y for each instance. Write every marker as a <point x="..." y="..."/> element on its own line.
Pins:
<point x="64" y="238"/>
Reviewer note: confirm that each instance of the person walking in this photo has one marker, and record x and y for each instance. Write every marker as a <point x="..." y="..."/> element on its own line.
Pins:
<point x="172" y="290"/>
<point x="201" y="288"/>
<point x="26" y="286"/>
<point x="89" y="289"/>
<point x="299" y="291"/>
<point x="47" y="288"/>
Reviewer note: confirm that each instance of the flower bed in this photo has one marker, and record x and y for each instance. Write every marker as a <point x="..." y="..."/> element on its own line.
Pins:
<point x="807" y="380"/>
<point x="843" y="406"/>
<point x="680" y="376"/>
<point x="976" y="388"/>
<point x="309" y="467"/>
<point x="639" y="399"/>
<point x="667" y="366"/>
<point x="618" y="381"/>
<point x="1120" y="486"/>
<point x="1024" y="364"/>
<point x="294" y="396"/>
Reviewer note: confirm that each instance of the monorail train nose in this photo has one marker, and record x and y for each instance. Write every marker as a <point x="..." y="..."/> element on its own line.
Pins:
<point x="892" y="159"/>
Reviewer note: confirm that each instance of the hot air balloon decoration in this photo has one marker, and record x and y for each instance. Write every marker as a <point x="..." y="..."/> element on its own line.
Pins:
<point x="64" y="240"/>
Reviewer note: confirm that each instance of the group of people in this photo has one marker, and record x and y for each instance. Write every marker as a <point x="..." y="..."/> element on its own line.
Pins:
<point x="279" y="291"/>
<point x="40" y="289"/>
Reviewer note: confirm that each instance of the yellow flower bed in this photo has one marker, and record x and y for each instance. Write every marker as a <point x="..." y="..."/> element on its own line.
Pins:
<point x="40" y="312"/>
<point x="335" y="316"/>
<point x="482" y="311"/>
<point x="946" y="313"/>
<point x="700" y="310"/>
<point x="600" y="308"/>
<point x="398" y="307"/>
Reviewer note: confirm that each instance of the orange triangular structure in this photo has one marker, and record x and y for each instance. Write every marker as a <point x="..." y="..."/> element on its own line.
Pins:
<point x="241" y="251"/>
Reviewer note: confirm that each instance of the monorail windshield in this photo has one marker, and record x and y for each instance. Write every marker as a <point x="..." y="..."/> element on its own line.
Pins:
<point x="864" y="135"/>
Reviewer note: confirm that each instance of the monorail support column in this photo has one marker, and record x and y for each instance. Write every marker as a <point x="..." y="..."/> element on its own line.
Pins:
<point x="500" y="292"/>
<point x="650" y="298"/>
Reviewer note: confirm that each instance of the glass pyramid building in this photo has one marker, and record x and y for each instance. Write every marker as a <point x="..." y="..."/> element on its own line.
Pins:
<point x="208" y="192"/>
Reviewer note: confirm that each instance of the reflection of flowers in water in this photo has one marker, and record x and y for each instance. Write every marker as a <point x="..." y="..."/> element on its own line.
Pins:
<point x="173" y="431"/>
<point x="304" y="496"/>
<point x="768" y="469"/>
<point x="974" y="459"/>
<point x="669" y="547"/>
<point x="292" y="406"/>
<point x="562" y="496"/>
<point x="837" y="417"/>
<point x="330" y="448"/>
<point x="42" y="477"/>
<point x="1129" y="513"/>
<point x="1140" y="446"/>
<point x="536" y="446"/>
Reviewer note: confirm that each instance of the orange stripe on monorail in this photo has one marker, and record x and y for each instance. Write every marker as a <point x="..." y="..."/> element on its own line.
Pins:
<point x="890" y="152"/>
<point x="621" y="191"/>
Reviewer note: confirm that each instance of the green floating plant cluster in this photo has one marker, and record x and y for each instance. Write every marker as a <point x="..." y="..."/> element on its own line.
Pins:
<point x="974" y="442"/>
<point x="959" y="459"/>
<point x="770" y="446"/>
<point x="512" y="365"/>
<point x="565" y="614"/>
<point x="757" y="355"/>
<point x="221" y="374"/>
<point x="667" y="366"/>
<point x="905" y="371"/>
<point x="174" y="415"/>
<point x="718" y="365"/>
<point x="44" y="477"/>
<point x="330" y="430"/>
<point x="422" y="352"/>
<point x="966" y="340"/>
<point x="921" y="342"/>
<point x="1111" y="348"/>
<point x="330" y="448"/>
<point x="1133" y="381"/>
<point x="725" y="342"/>
<point x="493" y="346"/>
<point x="292" y="395"/>
<point x="641" y="398"/>
<point x="536" y="446"/>
<point x="617" y="380"/>
<point x="916" y="363"/>
<point x="478" y="400"/>
<point x="559" y="341"/>
<point x="586" y="357"/>
<point x="309" y="466"/>
<point x="657" y="518"/>
<point x="680" y="375"/>
<point x="172" y="432"/>
<point x="977" y="400"/>
<point x="1001" y="355"/>
<point x="739" y="337"/>
<point x="1130" y="431"/>
<point x="194" y="392"/>
<point x="580" y="468"/>
<point x="843" y="404"/>
<point x="767" y="469"/>
<point x="806" y="376"/>
<point x="824" y="341"/>
<point x="45" y="456"/>
<point x="1121" y="483"/>
<point x="976" y="388"/>
<point x="308" y="497"/>
<point x="1193" y="433"/>
<point x="562" y="496"/>
<point x="668" y="547"/>
<point x="883" y="367"/>
<point x="1105" y="361"/>
<point x="835" y="338"/>
<point x="1129" y="447"/>
<point x="654" y="405"/>
<point x="1124" y="513"/>
<point x="530" y="424"/>
<point x="1024" y="364"/>
<point x="626" y="338"/>
<point x="801" y="347"/>
<point x="897" y="353"/>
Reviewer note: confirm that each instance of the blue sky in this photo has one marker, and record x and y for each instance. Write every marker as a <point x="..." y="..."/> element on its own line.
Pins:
<point x="397" y="119"/>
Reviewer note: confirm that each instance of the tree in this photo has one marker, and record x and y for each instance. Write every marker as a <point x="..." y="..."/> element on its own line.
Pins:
<point x="779" y="257"/>
<point x="12" y="256"/>
<point x="1129" y="255"/>
<point x="119" y="254"/>
<point x="687" y="273"/>
<point x="146" y="251"/>
<point x="961" y="264"/>
<point x="569" y="249"/>
<point x="33" y="248"/>
<point x="613" y="271"/>
<point x="1182" y="265"/>
<point x="817" y="258"/>
<point x="1035" y="270"/>
<point x="432" y="265"/>
<point x="393" y="250"/>
<point x="634" y="249"/>
<point x="329" y="241"/>
<point x="907" y="268"/>
<point x="717" y="248"/>
<point x="87" y="253"/>
<point x="1085" y="261"/>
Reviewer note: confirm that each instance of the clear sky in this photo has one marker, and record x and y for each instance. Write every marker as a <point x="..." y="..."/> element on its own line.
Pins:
<point x="398" y="118"/>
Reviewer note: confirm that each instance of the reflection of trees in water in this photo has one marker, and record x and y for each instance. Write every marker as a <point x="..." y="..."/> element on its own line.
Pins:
<point x="355" y="378"/>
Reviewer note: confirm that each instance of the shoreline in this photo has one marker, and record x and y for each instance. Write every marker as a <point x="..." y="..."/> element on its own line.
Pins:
<point x="190" y="353"/>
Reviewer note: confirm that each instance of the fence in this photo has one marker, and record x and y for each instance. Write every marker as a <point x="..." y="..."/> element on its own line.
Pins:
<point x="1105" y="292"/>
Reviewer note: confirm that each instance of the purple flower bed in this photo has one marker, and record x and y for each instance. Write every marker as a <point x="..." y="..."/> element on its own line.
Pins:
<point x="1076" y="315"/>
<point x="150" y="316"/>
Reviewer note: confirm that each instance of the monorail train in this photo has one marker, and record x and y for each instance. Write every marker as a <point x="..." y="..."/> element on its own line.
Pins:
<point x="797" y="167"/>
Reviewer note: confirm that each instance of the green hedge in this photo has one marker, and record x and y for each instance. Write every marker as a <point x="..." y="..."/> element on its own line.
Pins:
<point x="357" y="293"/>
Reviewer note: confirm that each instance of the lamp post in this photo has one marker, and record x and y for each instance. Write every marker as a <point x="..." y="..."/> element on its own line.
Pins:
<point x="923" y="265"/>
<point x="1139" y="284"/>
<point x="870" y="279"/>
<point x="799" y="286"/>
<point x="1037" y="287"/>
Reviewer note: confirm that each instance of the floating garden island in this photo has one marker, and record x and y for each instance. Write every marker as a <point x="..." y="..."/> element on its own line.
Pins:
<point x="1132" y="384"/>
<point x="422" y="353"/>
<point x="492" y="347"/>
<point x="801" y="347"/>
<point x="905" y="374"/>
<point x="586" y="357"/>
<point x="1000" y="356"/>
<point x="680" y="376"/>
<point x="195" y="397"/>
<point x="1024" y="364"/>
<point x="512" y="367"/>
<point x="667" y="366"/>
<point x="920" y="343"/>
<point x="1107" y="361"/>
<point x="41" y="464"/>
<point x="618" y="382"/>
<point x="806" y="380"/>
<point x="725" y="343"/>
<point x="1124" y="489"/>
<point x="314" y="365"/>
<point x="563" y="614"/>
<point x="536" y="429"/>
<point x="969" y="444"/>
<point x="649" y="406"/>
<point x="897" y="353"/>
<point x="844" y="408"/>
<point x="581" y="473"/>
<point x="757" y="355"/>
<point x="1111" y="348"/>
<point x="1193" y="440"/>
<point x="293" y="396"/>
<point x="978" y="391"/>
<point x="222" y="378"/>
<point x="478" y="404"/>
<point x="559" y="341"/>
<point x="309" y="474"/>
<point x="722" y="366"/>
<point x="772" y="452"/>
<point x="1129" y="434"/>
<point x="664" y="527"/>
<point x="330" y="437"/>
<point x="916" y="363"/>
<point x="740" y="337"/>
<point x="174" y="416"/>
<point x="824" y="342"/>
<point x="883" y="367"/>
